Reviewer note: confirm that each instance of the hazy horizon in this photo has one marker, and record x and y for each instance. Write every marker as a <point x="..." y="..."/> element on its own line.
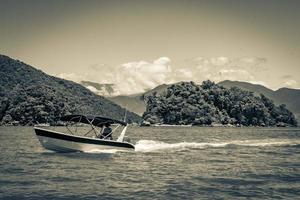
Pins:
<point x="141" y="44"/>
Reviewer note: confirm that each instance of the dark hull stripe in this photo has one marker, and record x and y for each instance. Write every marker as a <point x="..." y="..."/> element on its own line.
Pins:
<point x="50" y="134"/>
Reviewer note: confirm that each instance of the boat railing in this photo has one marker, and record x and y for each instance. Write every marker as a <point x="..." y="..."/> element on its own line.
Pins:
<point x="94" y="124"/>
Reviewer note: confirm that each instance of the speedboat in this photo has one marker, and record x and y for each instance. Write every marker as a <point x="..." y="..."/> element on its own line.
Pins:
<point x="71" y="141"/>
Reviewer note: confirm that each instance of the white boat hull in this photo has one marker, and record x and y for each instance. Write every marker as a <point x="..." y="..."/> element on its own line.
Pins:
<point x="60" y="142"/>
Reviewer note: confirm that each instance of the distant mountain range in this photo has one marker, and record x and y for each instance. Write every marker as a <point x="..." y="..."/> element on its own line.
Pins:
<point x="290" y="97"/>
<point x="30" y="96"/>
<point x="136" y="103"/>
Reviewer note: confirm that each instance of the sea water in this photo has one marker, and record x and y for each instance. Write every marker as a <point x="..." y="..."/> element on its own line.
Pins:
<point x="168" y="163"/>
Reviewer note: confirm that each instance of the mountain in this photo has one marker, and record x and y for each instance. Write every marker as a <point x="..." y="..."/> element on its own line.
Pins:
<point x="289" y="97"/>
<point x="136" y="103"/>
<point x="158" y="90"/>
<point x="256" y="88"/>
<point x="187" y="103"/>
<point x="30" y="96"/>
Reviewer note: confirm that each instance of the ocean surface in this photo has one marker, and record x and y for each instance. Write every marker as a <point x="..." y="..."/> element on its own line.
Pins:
<point x="169" y="163"/>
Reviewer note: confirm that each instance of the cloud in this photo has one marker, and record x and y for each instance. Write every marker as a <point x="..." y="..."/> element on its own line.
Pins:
<point x="142" y="75"/>
<point x="290" y="83"/>
<point x="231" y="74"/>
<point x="221" y="68"/>
<point x="260" y="83"/>
<point x="71" y="76"/>
<point x="128" y="78"/>
<point x="139" y="76"/>
<point x="219" y="61"/>
<point x="93" y="89"/>
<point x="287" y="76"/>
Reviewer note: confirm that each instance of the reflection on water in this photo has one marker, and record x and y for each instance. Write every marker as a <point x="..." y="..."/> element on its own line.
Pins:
<point x="169" y="162"/>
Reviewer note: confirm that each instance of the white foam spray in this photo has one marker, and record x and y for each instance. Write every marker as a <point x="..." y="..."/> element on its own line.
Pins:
<point x="150" y="145"/>
<point x="107" y="151"/>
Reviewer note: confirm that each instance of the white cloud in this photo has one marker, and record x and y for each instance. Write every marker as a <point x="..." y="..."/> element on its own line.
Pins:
<point x="290" y="83"/>
<point x="93" y="89"/>
<point x="185" y="73"/>
<point x="224" y="68"/>
<point x="73" y="77"/>
<point x="219" y="61"/>
<point x="260" y="83"/>
<point x="142" y="75"/>
<point x="128" y="78"/>
<point x="137" y="77"/>
<point x="230" y="74"/>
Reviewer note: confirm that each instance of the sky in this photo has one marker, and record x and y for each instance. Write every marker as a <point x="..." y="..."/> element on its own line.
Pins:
<point x="140" y="44"/>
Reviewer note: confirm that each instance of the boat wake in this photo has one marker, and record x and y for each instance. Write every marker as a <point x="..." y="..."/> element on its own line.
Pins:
<point x="105" y="151"/>
<point x="153" y="146"/>
<point x="150" y="145"/>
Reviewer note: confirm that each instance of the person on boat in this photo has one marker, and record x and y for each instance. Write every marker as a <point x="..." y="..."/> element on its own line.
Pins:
<point x="106" y="132"/>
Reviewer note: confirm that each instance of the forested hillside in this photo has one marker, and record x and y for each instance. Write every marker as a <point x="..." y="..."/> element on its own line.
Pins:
<point x="29" y="96"/>
<point x="209" y="103"/>
<point x="288" y="96"/>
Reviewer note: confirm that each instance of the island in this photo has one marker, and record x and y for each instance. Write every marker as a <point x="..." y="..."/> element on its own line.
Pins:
<point x="209" y="104"/>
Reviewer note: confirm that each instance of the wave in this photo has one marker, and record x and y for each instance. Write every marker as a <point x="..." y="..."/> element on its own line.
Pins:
<point x="151" y="145"/>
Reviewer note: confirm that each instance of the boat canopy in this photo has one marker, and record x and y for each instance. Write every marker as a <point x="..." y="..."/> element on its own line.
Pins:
<point x="92" y="120"/>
